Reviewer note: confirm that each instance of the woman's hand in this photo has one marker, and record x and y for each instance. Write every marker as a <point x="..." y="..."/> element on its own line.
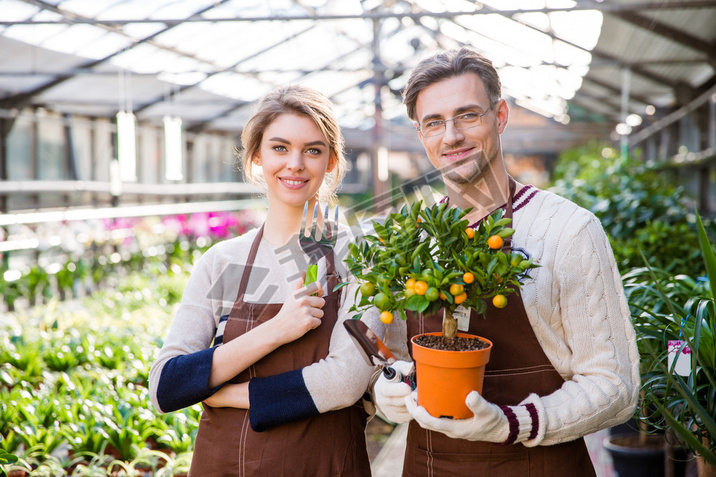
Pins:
<point x="300" y="313"/>
<point x="231" y="395"/>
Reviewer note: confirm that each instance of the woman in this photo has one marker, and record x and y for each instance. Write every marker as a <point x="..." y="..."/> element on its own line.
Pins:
<point x="282" y="381"/>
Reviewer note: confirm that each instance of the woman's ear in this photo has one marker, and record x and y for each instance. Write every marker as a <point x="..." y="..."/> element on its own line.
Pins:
<point x="256" y="159"/>
<point x="332" y="163"/>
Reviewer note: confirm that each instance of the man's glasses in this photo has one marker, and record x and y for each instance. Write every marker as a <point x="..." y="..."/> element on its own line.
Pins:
<point x="436" y="127"/>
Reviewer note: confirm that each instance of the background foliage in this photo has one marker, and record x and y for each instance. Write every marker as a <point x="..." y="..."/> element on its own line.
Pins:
<point x="74" y="396"/>
<point x="639" y="207"/>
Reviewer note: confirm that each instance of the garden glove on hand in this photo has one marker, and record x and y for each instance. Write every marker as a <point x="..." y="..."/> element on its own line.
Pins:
<point x="390" y="395"/>
<point x="491" y="423"/>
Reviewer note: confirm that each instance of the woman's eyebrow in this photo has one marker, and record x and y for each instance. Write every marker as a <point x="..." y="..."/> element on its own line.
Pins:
<point x="286" y="141"/>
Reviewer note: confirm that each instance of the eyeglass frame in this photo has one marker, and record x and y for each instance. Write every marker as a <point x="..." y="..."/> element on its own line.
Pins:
<point x="454" y="122"/>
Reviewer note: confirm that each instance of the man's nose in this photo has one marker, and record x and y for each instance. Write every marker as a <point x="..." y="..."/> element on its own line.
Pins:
<point x="452" y="134"/>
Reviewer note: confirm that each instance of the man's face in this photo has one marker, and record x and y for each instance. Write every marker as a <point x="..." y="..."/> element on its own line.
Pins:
<point x="462" y="155"/>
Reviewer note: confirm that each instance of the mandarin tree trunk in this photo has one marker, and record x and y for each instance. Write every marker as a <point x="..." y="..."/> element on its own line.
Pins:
<point x="449" y="325"/>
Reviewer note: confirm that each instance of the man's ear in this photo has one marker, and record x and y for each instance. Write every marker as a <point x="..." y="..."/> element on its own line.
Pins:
<point x="417" y="128"/>
<point x="502" y="112"/>
<point x="332" y="163"/>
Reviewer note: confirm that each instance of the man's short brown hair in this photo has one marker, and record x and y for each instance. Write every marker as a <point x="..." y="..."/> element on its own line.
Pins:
<point x="449" y="64"/>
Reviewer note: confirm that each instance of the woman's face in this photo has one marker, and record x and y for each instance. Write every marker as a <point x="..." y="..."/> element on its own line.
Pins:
<point x="295" y="157"/>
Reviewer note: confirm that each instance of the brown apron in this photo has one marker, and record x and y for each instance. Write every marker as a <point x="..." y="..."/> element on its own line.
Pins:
<point x="518" y="367"/>
<point x="328" y="444"/>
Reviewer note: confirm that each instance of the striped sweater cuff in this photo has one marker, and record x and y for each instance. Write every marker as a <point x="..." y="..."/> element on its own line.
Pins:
<point x="525" y="424"/>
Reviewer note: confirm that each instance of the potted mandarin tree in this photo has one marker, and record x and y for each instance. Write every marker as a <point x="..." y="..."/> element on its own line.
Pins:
<point x="427" y="259"/>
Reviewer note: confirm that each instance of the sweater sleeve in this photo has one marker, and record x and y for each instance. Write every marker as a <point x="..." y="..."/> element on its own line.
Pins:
<point x="597" y="356"/>
<point x="335" y="382"/>
<point x="180" y="375"/>
<point x="184" y="381"/>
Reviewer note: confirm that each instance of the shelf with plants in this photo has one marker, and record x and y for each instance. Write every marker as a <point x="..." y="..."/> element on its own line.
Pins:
<point x="74" y="396"/>
<point x="73" y="384"/>
<point x="74" y="259"/>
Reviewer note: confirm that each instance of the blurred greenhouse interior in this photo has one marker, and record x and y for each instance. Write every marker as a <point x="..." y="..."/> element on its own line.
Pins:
<point x="123" y="109"/>
<point x="118" y="124"/>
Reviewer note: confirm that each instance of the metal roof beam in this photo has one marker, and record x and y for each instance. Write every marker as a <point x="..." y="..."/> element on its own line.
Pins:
<point x="199" y="126"/>
<point x="603" y="7"/>
<point x="667" y="31"/>
<point x="183" y="88"/>
<point x="635" y="67"/>
<point x="617" y="90"/>
<point x="21" y="100"/>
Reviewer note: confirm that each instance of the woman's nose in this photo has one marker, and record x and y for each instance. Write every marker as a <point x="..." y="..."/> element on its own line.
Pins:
<point x="295" y="161"/>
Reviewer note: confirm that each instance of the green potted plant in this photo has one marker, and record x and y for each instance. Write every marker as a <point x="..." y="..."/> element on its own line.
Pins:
<point x="675" y="321"/>
<point x="422" y="260"/>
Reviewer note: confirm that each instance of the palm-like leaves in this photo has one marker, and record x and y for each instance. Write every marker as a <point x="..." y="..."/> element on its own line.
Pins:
<point x="666" y="308"/>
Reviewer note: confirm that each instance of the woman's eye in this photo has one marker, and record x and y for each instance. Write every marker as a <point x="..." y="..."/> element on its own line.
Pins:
<point x="314" y="151"/>
<point x="279" y="148"/>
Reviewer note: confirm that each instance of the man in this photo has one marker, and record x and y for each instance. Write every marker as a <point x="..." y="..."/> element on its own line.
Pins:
<point x="564" y="362"/>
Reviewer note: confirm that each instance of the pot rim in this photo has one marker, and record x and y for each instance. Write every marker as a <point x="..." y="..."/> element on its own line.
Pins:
<point x="460" y="335"/>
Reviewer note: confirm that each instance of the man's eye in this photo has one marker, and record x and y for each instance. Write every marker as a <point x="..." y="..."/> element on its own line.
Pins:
<point x="433" y="124"/>
<point x="470" y="116"/>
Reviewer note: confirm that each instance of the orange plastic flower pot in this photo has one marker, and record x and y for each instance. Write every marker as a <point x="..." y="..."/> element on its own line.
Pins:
<point x="445" y="378"/>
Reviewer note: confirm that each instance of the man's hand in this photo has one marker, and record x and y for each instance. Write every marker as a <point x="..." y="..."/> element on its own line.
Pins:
<point x="490" y="423"/>
<point x="390" y="395"/>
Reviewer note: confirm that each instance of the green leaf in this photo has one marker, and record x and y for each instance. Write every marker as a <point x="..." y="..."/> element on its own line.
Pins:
<point x="311" y="274"/>
<point x="709" y="257"/>
<point x="415" y="302"/>
<point x="687" y="435"/>
<point x="341" y="285"/>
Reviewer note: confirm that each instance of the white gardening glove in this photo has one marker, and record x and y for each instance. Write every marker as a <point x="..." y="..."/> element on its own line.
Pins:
<point x="390" y="395"/>
<point x="491" y="423"/>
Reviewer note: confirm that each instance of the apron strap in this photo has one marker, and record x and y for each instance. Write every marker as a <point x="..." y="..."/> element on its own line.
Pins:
<point x="507" y="244"/>
<point x="249" y="264"/>
<point x="332" y="278"/>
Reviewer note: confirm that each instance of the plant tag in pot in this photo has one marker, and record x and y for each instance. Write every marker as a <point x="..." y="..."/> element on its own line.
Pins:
<point x="680" y="352"/>
<point x="462" y="315"/>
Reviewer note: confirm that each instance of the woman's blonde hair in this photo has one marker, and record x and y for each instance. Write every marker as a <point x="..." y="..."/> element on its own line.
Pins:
<point x="303" y="101"/>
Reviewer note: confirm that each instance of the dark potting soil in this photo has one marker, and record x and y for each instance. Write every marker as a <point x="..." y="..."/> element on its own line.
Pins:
<point x="455" y="344"/>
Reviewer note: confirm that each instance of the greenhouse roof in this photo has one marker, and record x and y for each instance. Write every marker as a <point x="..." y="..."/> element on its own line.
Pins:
<point x="207" y="61"/>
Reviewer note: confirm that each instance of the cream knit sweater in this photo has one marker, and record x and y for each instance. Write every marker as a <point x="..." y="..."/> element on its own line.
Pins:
<point x="577" y="308"/>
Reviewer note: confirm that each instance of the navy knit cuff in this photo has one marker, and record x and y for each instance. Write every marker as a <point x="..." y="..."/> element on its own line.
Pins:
<point x="279" y="399"/>
<point x="185" y="380"/>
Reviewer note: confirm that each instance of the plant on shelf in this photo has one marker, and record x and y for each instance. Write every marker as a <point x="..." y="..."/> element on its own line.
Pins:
<point x="424" y="259"/>
<point x="675" y="320"/>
